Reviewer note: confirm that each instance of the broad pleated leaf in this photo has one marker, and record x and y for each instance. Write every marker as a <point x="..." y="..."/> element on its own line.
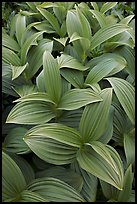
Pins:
<point x="100" y="71"/>
<point x="85" y="26"/>
<point x="120" y="62"/>
<point x="109" y="191"/>
<point x="61" y="40"/>
<point x="24" y="166"/>
<point x="129" y="55"/>
<point x="100" y="18"/>
<point x="10" y="43"/>
<point x="107" y="6"/>
<point x="55" y="190"/>
<point x="37" y="96"/>
<point x="29" y="196"/>
<point x="125" y="194"/>
<point x="51" y="151"/>
<point x="127" y="19"/>
<point x="76" y="98"/>
<point x="55" y="131"/>
<point x="95" y="116"/>
<point x="89" y="189"/>
<point x="52" y="77"/>
<point x="80" y="24"/>
<point x="9" y="57"/>
<point x="94" y="5"/>
<point x="107" y="136"/>
<point x="13" y="181"/>
<point x="71" y="118"/>
<point x="35" y="56"/>
<point x="14" y="141"/>
<point x="126" y="95"/>
<point x="129" y="147"/>
<point x="20" y="27"/>
<point x="25" y="90"/>
<point x="103" y="162"/>
<point x="40" y="82"/>
<point x="17" y="70"/>
<point x="51" y="18"/>
<point x="75" y="77"/>
<point x="27" y="44"/>
<point x="70" y="62"/>
<point x="30" y="112"/>
<point x="66" y="175"/>
<point x="106" y="33"/>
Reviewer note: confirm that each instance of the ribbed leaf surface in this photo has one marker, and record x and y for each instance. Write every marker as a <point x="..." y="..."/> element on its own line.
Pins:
<point x="102" y="161"/>
<point x="76" y="98"/>
<point x="125" y="93"/>
<point x="95" y="116"/>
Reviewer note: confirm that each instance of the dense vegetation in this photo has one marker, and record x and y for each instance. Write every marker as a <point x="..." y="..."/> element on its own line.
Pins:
<point x="68" y="101"/>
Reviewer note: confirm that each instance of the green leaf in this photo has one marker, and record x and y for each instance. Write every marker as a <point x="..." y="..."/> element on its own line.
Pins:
<point x="106" y="33"/>
<point x="35" y="56"/>
<point x="94" y="5"/>
<point x="109" y="191"/>
<point x="55" y="190"/>
<point x="85" y="26"/>
<point x="100" y="71"/>
<point x="30" y="112"/>
<point x="66" y="175"/>
<point x="61" y="40"/>
<point x="70" y="62"/>
<point x="52" y="77"/>
<point x="9" y="57"/>
<point x="129" y="147"/>
<point x="76" y="98"/>
<point x="100" y="17"/>
<point x="107" y="136"/>
<point x="40" y="82"/>
<point x="71" y="118"/>
<point x="75" y="77"/>
<point x="55" y="131"/>
<point x="11" y="187"/>
<point x="20" y="27"/>
<point x="102" y="161"/>
<point x="120" y="62"/>
<point x="107" y="6"/>
<point x="27" y="44"/>
<point x="125" y="94"/>
<point x="29" y="196"/>
<point x="14" y="141"/>
<point x="89" y="189"/>
<point x="127" y="19"/>
<point x="24" y="166"/>
<point x="95" y="116"/>
<point x="10" y="43"/>
<point x="17" y="70"/>
<point x="25" y="90"/>
<point x="37" y="96"/>
<point x="129" y="55"/>
<point x="52" y="20"/>
<point x="125" y="194"/>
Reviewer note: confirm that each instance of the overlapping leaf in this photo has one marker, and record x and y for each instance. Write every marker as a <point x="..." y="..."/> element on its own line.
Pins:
<point x="126" y="95"/>
<point x="55" y="190"/>
<point x="95" y="116"/>
<point x="11" y="187"/>
<point x="30" y="112"/>
<point x="76" y="98"/>
<point x="106" y="33"/>
<point x="52" y="77"/>
<point x="102" y="161"/>
<point x="14" y="141"/>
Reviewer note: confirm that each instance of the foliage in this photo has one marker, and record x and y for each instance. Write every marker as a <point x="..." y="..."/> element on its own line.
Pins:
<point x="68" y="108"/>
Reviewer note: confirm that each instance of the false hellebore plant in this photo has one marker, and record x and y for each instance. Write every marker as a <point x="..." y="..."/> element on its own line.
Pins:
<point x="69" y="67"/>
